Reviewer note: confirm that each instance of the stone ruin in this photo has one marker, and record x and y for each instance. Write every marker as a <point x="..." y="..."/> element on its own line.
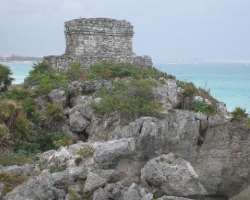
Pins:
<point x="96" y="40"/>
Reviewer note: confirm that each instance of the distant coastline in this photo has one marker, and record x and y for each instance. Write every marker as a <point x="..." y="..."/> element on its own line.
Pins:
<point x="15" y="58"/>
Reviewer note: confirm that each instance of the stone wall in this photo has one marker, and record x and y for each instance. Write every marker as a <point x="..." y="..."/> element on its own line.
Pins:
<point x="94" y="40"/>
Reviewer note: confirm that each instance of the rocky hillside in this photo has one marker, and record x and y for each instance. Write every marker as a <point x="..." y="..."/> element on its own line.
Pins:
<point x="119" y="132"/>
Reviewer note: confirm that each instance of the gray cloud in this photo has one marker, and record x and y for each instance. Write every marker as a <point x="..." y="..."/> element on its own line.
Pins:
<point x="166" y="29"/>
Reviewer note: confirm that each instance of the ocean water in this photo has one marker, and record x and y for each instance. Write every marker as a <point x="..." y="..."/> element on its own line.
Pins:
<point x="228" y="82"/>
<point x="20" y="70"/>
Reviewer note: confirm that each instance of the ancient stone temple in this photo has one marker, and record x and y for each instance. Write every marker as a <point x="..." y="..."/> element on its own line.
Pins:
<point x="95" y="40"/>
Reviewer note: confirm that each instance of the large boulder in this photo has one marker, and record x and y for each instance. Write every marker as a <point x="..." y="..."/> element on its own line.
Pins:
<point x="172" y="175"/>
<point x="80" y="117"/>
<point x="58" y="96"/>
<point x="224" y="158"/>
<point x="46" y="185"/>
<point x="168" y="93"/>
<point x="107" y="154"/>
<point x="135" y="192"/>
<point x="179" y="132"/>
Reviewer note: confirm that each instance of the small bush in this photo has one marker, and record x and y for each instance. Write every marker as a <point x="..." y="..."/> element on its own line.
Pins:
<point x="10" y="181"/>
<point x="7" y="159"/>
<point x="14" y="117"/>
<point x="203" y="107"/>
<point x="26" y="99"/>
<point x="5" y="79"/>
<point x="111" y="71"/>
<point x="4" y="136"/>
<point x="86" y="151"/>
<point x="43" y="142"/>
<point x="248" y="123"/>
<point x="239" y="113"/>
<point x="76" y="72"/>
<point x="131" y="99"/>
<point x="189" y="89"/>
<point x="54" y="112"/>
<point x="43" y="79"/>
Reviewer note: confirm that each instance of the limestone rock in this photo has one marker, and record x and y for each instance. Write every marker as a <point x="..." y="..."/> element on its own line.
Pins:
<point x="223" y="159"/>
<point x="178" y="131"/>
<point x="27" y="169"/>
<point x="172" y="175"/>
<point x="172" y="198"/>
<point x="168" y="94"/>
<point x="108" y="153"/>
<point x="135" y="192"/>
<point x="80" y="117"/>
<point x="93" y="182"/>
<point x="57" y="96"/>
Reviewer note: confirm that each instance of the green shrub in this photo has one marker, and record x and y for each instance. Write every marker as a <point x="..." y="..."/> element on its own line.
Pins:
<point x="17" y="93"/>
<point x="43" y="79"/>
<point x="54" y="112"/>
<point x="10" y="181"/>
<point x="248" y="123"/>
<point x="189" y="89"/>
<point x="25" y="98"/>
<point x="4" y="135"/>
<point x="239" y="113"/>
<point x="76" y="72"/>
<point x="7" y="159"/>
<point x="203" y="107"/>
<point x="5" y="79"/>
<point x="86" y="151"/>
<point x="131" y="99"/>
<point x="43" y="142"/>
<point x="111" y="71"/>
<point x="14" y="117"/>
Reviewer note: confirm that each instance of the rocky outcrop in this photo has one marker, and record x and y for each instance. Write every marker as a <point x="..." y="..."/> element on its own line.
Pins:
<point x="178" y="155"/>
<point x="168" y="174"/>
<point x="115" y="169"/>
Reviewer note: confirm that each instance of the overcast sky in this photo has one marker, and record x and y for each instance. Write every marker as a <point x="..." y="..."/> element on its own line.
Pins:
<point x="168" y="30"/>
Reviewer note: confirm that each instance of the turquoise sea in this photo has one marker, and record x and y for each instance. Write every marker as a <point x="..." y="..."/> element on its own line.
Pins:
<point x="19" y="69"/>
<point x="228" y="82"/>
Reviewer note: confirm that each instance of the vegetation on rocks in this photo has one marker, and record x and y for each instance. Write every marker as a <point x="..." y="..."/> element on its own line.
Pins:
<point x="5" y="78"/>
<point x="43" y="79"/>
<point x="111" y="71"/>
<point x="10" y="181"/>
<point x="239" y="114"/>
<point x="203" y="107"/>
<point x="132" y="99"/>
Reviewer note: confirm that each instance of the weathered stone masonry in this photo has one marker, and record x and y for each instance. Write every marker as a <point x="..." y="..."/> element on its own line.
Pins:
<point x="94" y="40"/>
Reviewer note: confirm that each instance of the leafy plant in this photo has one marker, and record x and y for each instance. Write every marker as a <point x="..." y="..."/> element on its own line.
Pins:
<point x="239" y="113"/>
<point x="131" y="99"/>
<point x="14" y="117"/>
<point x="54" y="112"/>
<point x="76" y="72"/>
<point x="111" y="71"/>
<point x="43" y="79"/>
<point x="86" y="151"/>
<point x="5" y="78"/>
<point x="7" y="159"/>
<point x="189" y="89"/>
<point x="203" y="107"/>
<point x="10" y="181"/>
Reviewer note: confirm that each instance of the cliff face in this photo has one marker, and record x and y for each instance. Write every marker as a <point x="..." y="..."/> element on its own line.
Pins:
<point x="94" y="40"/>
